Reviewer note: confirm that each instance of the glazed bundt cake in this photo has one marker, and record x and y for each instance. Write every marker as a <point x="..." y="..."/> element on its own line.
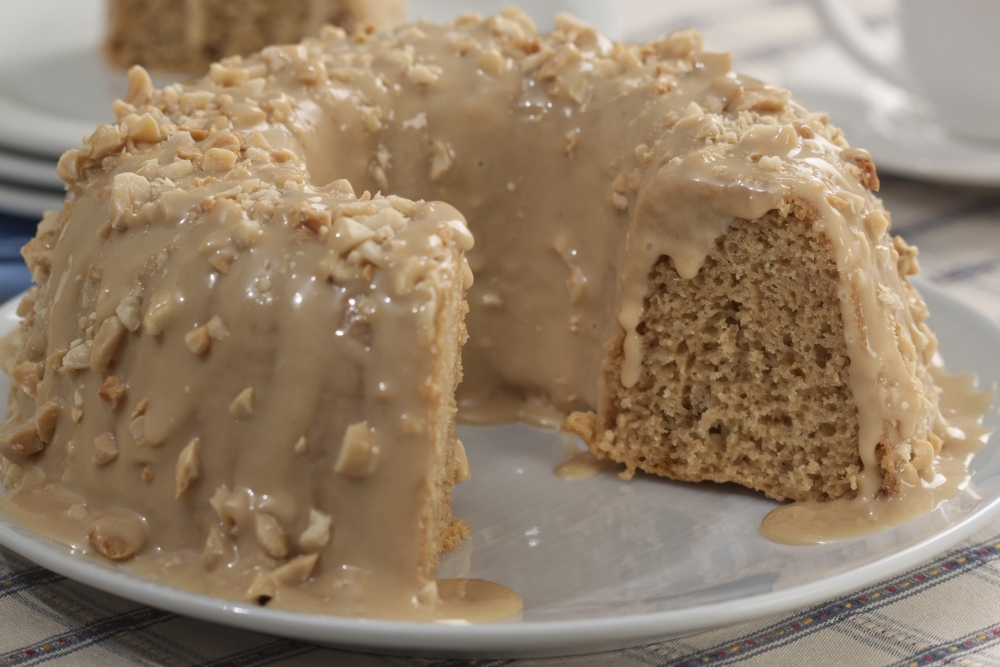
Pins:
<point x="234" y="359"/>
<point x="189" y="35"/>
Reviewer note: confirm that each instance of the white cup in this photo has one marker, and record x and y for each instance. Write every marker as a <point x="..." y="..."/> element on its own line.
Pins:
<point x="949" y="56"/>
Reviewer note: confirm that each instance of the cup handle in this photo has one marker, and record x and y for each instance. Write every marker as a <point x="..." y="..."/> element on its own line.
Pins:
<point x="844" y="24"/>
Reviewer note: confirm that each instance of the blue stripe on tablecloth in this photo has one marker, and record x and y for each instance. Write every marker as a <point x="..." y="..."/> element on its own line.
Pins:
<point x="265" y="655"/>
<point x="66" y="605"/>
<point x="466" y="663"/>
<point x="283" y="650"/>
<point x="820" y="617"/>
<point x="952" y="651"/>
<point x="70" y="641"/>
<point x="15" y="231"/>
<point x="731" y="652"/>
<point x="20" y="581"/>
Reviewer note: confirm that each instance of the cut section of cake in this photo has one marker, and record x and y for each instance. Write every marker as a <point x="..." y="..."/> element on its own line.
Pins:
<point x="189" y="35"/>
<point x="745" y="377"/>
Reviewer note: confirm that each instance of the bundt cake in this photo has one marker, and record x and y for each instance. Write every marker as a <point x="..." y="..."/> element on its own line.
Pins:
<point x="189" y="35"/>
<point x="237" y="369"/>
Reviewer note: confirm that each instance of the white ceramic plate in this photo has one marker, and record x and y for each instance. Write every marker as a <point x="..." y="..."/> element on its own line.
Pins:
<point x="603" y="563"/>
<point x="28" y="202"/>
<point x="36" y="172"/>
<point x="55" y="86"/>
<point x="894" y="127"/>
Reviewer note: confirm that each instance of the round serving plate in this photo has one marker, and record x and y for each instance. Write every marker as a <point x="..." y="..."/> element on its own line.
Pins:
<point x="604" y="563"/>
<point x="897" y="129"/>
<point x="55" y="86"/>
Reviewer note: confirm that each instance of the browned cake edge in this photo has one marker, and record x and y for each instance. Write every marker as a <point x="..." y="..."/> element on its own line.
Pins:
<point x="445" y="532"/>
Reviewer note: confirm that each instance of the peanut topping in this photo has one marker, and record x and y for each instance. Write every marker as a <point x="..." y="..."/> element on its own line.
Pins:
<point x="20" y="441"/>
<point x="271" y="537"/>
<point x="128" y="193"/>
<point x="262" y="588"/>
<point x="26" y="376"/>
<point x="441" y="159"/>
<point x="265" y="584"/>
<point x="317" y="534"/>
<point x="187" y="467"/>
<point x="218" y="159"/>
<point x="106" y="343"/>
<point x="217" y="545"/>
<point x="128" y="313"/>
<point x="137" y="428"/>
<point x="296" y="570"/>
<point x="78" y="512"/>
<point x="112" y="392"/>
<point x="242" y="405"/>
<point x="462" y="472"/>
<point x="198" y="340"/>
<point x="358" y="455"/>
<point x="140" y="407"/>
<point x="78" y="356"/>
<point x="105" y="449"/>
<point x="216" y="328"/>
<point x="118" y="536"/>
<point x="161" y="309"/>
<point x="76" y="412"/>
<point x="46" y="419"/>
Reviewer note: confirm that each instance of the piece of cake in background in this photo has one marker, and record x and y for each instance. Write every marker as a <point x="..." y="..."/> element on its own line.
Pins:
<point x="188" y="35"/>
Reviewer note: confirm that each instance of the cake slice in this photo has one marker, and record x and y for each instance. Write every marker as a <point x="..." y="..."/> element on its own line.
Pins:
<point x="187" y="36"/>
<point x="248" y="384"/>
<point x="746" y="373"/>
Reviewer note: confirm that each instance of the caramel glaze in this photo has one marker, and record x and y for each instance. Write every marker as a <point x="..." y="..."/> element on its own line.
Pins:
<point x="262" y="412"/>
<point x="577" y="161"/>
<point x="818" y="523"/>
<point x="579" y="464"/>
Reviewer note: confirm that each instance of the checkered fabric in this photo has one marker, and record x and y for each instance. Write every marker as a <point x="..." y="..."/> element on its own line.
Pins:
<point x="945" y="611"/>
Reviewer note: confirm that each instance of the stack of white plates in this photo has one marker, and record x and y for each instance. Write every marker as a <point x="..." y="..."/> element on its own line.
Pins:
<point x="55" y="86"/>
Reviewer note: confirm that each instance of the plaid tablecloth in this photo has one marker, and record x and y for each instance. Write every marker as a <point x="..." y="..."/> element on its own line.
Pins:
<point x="945" y="611"/>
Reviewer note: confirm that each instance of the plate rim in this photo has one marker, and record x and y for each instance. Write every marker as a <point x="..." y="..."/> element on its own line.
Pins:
<point x="29" y="171"/>
<point x="871" y="101"/>
<point x="503" y="639"/>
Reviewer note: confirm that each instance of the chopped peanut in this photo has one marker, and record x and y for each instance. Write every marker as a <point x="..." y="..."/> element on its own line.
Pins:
<point x="358" y="455"/>
<point x="112" y="392"/>
<point x="242" y="405"/>
<point x="187" y="468"/>
<point x="105" y="449"/>
<point x="271" y="536"/>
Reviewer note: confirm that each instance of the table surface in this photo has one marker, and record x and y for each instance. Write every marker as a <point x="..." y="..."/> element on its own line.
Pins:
<point x="945" y="611"/>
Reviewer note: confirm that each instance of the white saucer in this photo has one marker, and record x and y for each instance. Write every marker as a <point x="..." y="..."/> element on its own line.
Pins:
<point x="55" y="86"/>
<point x="27" y="170"/>
<point x="894" y="127"/>
<point x="28" y="202"/>
<point x="603" y="563"/>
